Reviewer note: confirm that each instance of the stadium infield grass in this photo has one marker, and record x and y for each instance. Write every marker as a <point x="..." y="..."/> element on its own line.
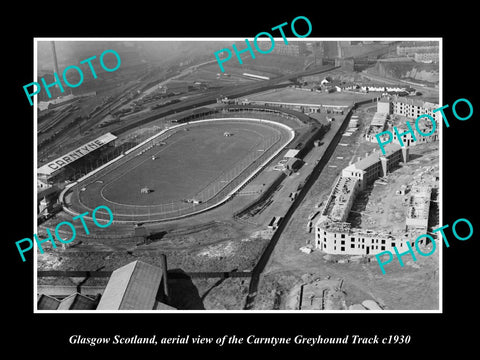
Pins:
<point x="188" y="163"/>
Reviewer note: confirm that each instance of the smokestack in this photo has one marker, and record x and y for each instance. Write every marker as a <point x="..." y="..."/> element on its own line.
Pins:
<point x="54" y="54"/>
<point x="339" y="49"/>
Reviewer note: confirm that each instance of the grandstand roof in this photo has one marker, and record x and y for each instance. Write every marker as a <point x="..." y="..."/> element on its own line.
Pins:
<point x="61" y="162"/>
<point x="301" y="116"/>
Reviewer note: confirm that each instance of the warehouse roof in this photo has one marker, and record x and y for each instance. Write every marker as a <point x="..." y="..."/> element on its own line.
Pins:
<point x="77" y="302"/>
<point x="74" y="301"/>
<point x="291" y="153"/>
<point x="132" y="287"/>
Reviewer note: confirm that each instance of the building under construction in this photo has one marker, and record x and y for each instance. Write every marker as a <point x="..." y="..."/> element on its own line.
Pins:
<point x="334" y="235"/>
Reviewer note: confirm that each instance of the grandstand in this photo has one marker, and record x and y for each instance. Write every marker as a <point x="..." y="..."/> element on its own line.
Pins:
<point x="63" y="167"/>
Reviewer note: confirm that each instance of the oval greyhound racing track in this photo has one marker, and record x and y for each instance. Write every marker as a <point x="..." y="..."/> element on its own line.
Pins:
<point x="188" y="169"/>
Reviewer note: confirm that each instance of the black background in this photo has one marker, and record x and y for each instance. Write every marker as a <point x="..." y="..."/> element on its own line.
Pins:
<point x="47" y="334"/>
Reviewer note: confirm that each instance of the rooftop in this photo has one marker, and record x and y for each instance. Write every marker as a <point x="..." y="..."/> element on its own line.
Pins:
<point x="74" y="301"/>
<point x="57" y="164"/>
<point x="379" y="119"/>
<point x="132" y="287"/>
<point x="340" y="197"/>
<point x="291" y="153"/>
<point x="336" y="226"/>
<point x="418" y="43"/>
<point x="384" y="100"/>
<point x="373" y="158"/>
<point x="415" y="102"/>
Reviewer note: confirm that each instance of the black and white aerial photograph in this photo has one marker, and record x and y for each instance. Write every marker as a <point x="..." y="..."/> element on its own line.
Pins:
<point x="282" y="181"/>
<point x="185" y="179"/>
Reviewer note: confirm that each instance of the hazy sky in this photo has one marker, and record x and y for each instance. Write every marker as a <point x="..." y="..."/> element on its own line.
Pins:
<point x="72" y="52"/>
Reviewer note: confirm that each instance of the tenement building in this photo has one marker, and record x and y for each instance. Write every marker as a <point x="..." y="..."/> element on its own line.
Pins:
<point x="376" y="165"/>
<point x="334" y="235"/>
<point x="411" y="109"/>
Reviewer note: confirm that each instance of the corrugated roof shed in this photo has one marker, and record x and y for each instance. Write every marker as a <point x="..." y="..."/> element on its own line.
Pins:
<point x="77" y="302"/>
<point x="132" y="287"/>
<point x="74" y="301"/>
<point x="46" y="302"/>
<point x="161" y="306"/>
<point x="291" y="153"/>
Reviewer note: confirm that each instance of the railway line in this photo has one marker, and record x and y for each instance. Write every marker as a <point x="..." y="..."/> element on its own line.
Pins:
<point x="65" y="142"/>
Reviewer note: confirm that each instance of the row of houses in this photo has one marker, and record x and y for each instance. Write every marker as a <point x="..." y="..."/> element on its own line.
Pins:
<point x="298" y="48"/>
<point x="422" y="51"/>
<point x="327" y="84"/>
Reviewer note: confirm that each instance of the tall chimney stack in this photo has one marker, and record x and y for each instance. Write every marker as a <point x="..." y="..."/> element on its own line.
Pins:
<point x="54" y="53"/>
